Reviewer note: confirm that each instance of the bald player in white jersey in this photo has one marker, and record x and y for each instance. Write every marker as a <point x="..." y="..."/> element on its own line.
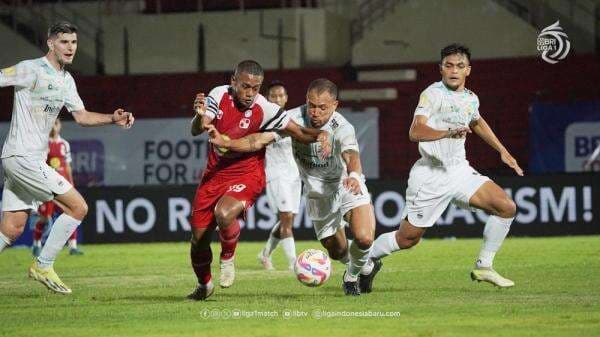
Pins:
<point x="284" y="189"/>
<point x="335" y="185"/>
<point x="42" y="88"/>
<point x="446" y="113"/>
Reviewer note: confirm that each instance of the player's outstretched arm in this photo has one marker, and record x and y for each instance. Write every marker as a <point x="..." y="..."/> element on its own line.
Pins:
<point x="19" y="76"/>
<point x="483" y="130"/>
<point x="310" y="135"/>
<point x="120" y="117"/>
<point x="250" y="143"/>
<point x="421" y="132"/>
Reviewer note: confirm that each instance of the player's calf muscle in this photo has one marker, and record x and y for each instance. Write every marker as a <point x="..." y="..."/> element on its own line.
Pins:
<point x="336" y="251"/>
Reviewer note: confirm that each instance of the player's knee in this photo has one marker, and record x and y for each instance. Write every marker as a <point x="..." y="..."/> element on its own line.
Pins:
<point x="363" y="241"/>
<point x="80" y="210"/>
<point x="507" y="208"/>
<point x="285" y="232"/>
<point x="224" y="216"/>
<point x="13" y="230"/>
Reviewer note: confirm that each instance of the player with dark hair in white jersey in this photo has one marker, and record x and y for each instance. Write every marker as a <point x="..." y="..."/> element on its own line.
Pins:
<point x="284" y="189"/>
<point x="42" y="88"/>
<point x="446" y="113"/>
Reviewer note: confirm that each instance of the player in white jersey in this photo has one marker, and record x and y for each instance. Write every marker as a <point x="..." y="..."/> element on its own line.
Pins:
<point x="446" y="113"/>
<point x="284" y="188"/>
<point x="335" y="186"/>
<point x="42" y="88"/>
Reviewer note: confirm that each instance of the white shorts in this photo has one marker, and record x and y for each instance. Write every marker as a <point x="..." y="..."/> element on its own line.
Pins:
<point x="29" y="182"/>
<point x="432" y="188"/>
<point x="327" y="214"/>
<point x="284" y="194"/>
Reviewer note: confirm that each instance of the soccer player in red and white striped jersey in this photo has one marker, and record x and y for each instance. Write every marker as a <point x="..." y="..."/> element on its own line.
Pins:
<point x="232" y="181"/>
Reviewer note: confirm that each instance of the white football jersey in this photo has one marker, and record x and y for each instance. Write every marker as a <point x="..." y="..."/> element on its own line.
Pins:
<point x="41" y="91"/>
<point x="322" y="177"/>
<point x="280" y="162"/>
<point x="446" y="109"/>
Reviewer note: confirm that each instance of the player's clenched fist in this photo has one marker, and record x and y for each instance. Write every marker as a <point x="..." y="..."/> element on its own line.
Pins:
<point x="200" y="104"/>
<point x="352" y="185"/>
<point x="123" y="118"/>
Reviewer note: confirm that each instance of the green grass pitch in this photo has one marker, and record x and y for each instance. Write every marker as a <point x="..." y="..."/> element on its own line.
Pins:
<point x="139" y="290"/>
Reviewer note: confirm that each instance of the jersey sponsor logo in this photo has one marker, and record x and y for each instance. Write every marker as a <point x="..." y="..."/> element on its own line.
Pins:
<point x="219" y="114"/>
<point x="334" y="124"/>
<point x="52" y="109"/>
<point x="553" y="43"/>
<point x="244" y="123"/>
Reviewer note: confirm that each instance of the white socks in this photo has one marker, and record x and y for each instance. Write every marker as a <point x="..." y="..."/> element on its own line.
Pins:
<point x="496" y="229"/>
<point x="62" y="229"/>
<point x="289" y="248"/>
<point x="72" y="244"/>
<point x="358" y="258"/>
<point x="384" y="245"/>
<point x="4" y="241"/>
<point x="288" y="245"/>
<point x="272" y="241"/>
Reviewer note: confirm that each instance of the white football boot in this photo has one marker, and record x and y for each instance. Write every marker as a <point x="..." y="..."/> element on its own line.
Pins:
<point x="490" y="275"/>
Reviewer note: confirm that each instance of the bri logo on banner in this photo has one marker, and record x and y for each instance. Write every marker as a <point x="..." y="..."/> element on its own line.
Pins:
<point x="88" y="162"/>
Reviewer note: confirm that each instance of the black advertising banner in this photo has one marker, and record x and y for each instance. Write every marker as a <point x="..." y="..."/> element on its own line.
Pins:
<point x="547" y="205"/>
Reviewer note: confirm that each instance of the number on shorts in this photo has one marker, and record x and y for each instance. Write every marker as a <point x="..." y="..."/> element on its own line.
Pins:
<point x="237" y="188"/>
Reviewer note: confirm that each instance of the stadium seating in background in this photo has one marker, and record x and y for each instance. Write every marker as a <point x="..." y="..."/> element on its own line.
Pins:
<point x="174" y="6"/>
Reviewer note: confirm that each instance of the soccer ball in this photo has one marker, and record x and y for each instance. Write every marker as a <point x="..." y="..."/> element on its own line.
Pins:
<point x="312" y="267"/>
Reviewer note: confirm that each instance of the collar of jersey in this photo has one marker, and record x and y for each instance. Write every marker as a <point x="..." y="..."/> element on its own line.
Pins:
<point x="59" y="72"/>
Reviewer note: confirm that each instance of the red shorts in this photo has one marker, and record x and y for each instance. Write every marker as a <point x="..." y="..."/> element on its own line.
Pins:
<point x="47" y="209"/>
<point x="246" y="188"/>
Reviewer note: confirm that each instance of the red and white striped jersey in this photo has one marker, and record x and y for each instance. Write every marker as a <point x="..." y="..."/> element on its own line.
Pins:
<point x="261" y="116"/>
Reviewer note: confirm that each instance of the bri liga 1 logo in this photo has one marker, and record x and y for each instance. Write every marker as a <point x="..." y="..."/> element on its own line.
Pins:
<point x="553" y="43"/>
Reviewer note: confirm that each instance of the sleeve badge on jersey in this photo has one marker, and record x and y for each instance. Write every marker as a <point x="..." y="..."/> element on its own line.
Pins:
<point x="11" y="71"/>
<point x="423" y="101"/>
